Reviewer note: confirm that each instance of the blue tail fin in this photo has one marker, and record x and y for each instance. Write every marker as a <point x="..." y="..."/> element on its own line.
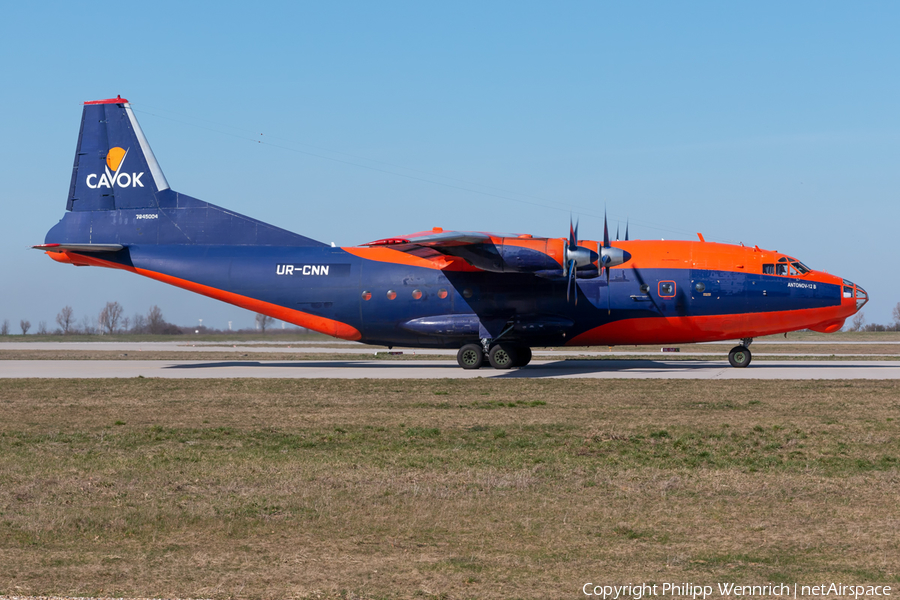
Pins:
<point x="114" y="165"/>
<point x="119" y="195"/>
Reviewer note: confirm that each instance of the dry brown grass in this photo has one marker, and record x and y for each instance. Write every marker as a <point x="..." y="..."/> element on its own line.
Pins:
<point x="459" y="489"/>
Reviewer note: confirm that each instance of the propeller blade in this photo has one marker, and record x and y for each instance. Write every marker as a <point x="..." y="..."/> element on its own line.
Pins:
<point x="608" y="294"/>
<point x="605" y="231"/>
<point x="626" y="230"/>
<point x="573" y="234"/>
<point x="617" y="232"/>
<point x="570" y="283"/>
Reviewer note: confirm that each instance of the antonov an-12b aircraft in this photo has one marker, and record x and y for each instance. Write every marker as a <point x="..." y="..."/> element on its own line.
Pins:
<point x="492" y="296"/>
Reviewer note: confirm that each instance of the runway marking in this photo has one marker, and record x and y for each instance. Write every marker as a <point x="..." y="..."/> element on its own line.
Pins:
<point x="439" y="369"/>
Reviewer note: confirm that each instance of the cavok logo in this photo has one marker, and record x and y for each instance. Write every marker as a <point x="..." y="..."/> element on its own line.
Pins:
<point x="113" y="175"/>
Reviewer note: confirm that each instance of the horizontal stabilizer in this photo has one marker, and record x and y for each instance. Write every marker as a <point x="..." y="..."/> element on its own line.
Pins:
<point x="79" y="247"/>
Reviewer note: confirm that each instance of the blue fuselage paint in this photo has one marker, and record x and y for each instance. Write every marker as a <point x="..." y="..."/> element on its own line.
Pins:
<point x="334" y="284"/>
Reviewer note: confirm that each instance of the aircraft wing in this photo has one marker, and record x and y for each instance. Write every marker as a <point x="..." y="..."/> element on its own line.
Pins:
<point x="436" y="240"/>
<point x="476" y="248"/>
<point x="491" y="252"/>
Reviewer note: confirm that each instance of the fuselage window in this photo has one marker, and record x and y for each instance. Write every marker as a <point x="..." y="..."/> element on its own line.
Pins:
<point x="666" y="289"/>
<point x="367" y="296"/>
<point x="645" y="288"/>
<point x="442" y="293"/>
<point x="769" y="269"/>
<point x="391" y="294"/>
<point x="700" y="287"/>
<point x="417" y="294"/>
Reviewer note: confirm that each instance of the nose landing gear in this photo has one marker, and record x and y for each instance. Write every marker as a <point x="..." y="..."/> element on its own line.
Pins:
<point x="740" y="356"/>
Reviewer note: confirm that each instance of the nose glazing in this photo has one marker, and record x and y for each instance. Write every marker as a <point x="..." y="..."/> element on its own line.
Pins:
<point x="861" y="298"/>
<point x="858" y="294"/>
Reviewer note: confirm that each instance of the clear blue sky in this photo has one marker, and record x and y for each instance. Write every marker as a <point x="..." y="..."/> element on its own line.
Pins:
<point x="769" y="123"/>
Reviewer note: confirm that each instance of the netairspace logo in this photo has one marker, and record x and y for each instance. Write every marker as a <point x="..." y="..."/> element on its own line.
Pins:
<point x="733" y="590"/>
<point x="113" y="176"/>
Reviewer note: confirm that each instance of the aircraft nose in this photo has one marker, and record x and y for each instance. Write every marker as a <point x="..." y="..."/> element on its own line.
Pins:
<point x="851" y="290"/>
<point x="861" y="298"/>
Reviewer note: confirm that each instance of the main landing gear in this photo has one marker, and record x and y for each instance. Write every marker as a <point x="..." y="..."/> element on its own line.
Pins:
<point x="740" y="356"/>
<point x="500" y="356"/>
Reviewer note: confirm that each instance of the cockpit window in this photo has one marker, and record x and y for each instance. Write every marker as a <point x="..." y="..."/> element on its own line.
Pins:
<point x="801" y="267"/>
<point x="787" y="265"/>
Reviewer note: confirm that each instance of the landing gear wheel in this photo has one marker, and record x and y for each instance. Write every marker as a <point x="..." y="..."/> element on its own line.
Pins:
<point x="523" y="356"/>
<point x="503" y="356"/>
<point x="470" y="356"/>
<point x="739" y="357"/>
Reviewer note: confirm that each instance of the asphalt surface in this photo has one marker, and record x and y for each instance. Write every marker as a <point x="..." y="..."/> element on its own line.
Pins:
<point x="439" y="369"/>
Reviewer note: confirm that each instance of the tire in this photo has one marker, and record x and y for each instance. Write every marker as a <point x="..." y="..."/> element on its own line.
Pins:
<point x="739" y="357"/>
<point x="470" y="356"/>
<point x="503" y="356"/>
<point x="523" y="356"/>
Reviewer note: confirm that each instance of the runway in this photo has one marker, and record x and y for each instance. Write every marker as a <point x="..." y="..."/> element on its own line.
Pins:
<point x="440" y="369"/>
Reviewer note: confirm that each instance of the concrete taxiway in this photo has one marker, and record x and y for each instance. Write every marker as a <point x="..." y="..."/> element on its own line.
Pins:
<point x="439" y="369"/>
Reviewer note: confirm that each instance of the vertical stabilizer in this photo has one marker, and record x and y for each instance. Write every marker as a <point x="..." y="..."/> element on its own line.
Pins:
<point x="114" y="165"/>
<point x="119" y="195"/>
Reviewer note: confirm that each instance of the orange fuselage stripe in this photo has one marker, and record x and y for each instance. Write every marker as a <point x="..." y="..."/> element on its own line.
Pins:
<point x="316" y="323"/>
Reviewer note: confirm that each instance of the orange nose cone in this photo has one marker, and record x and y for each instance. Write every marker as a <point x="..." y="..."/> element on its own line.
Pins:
<point x="114" y="158"/>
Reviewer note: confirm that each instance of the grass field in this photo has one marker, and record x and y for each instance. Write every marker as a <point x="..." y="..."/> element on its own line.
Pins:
<point x="453" y="489"/>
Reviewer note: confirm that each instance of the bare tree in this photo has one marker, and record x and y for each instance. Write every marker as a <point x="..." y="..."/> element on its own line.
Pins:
<point x="87" y="326"/>
<point x="139" y="323"/>
<point x="65" y="319"/>
<point x="155" y="321"/>
<point x="858" y="321"/>
<point x="896" y="314"/>
<point x="263" y="322"/>
<point x="109" y="317"/>
<point x="125" y="324"/>
<point x="25" y="325"/>
<point x="42" y="328"/>
<point x="4" y="327"/>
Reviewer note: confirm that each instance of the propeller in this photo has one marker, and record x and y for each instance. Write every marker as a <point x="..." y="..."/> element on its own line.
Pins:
<point x="576" y="256"/>
<point x="611" y="256"/>
<point x="579" y="256"/>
